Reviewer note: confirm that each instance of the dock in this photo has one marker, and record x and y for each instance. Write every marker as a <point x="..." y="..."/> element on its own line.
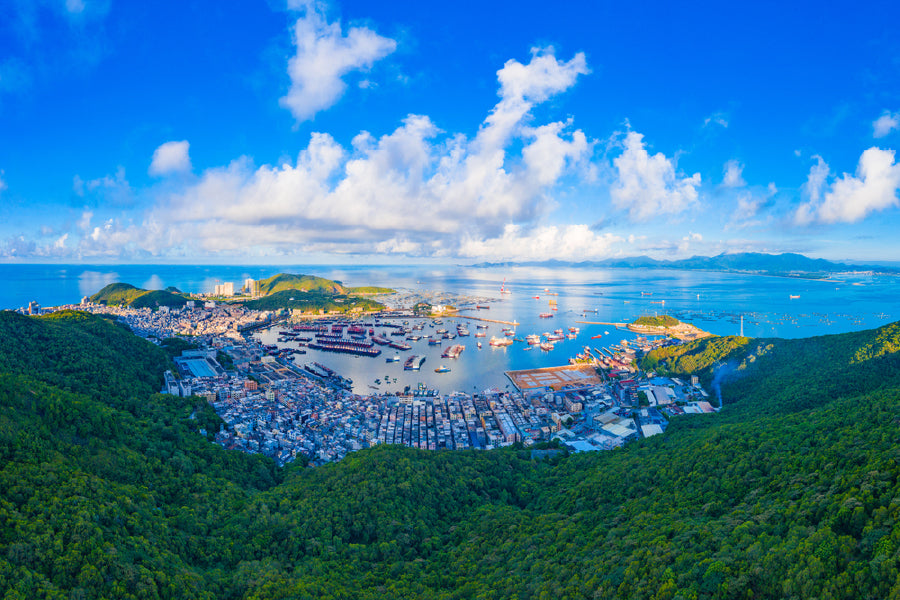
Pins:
<point x="620" y="325"/>
<point x="514" y="323"/>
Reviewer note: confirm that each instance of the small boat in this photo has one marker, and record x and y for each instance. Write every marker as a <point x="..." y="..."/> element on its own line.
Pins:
<point x="395" y="358"/>
<point x="794" y="297"/>
<point x="442" y="369"/>
<point x="479" y="344"/>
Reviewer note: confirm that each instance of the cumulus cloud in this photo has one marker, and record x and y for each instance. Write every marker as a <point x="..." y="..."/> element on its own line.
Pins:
<point x="416" y="190"/>
<point x="324" y="56"/>
<point x="171" y="157"/>
<point x="733" y="174"/>
<point x="542" y="243"/>
<point x="647" y="186"/>
<point x="885" y="124"/>
<point x="851" y="198"/>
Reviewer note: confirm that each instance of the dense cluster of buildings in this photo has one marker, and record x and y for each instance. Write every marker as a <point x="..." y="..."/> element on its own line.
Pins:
<point x="270" y="405"/>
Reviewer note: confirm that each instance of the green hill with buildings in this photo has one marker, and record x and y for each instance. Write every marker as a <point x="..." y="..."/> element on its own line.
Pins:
<point x="111" y="490"/>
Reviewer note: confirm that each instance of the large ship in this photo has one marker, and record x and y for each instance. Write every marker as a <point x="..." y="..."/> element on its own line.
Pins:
<point x="453" y="351"/>
<point x="504" y="341"/>
<point x="413" y="363"/>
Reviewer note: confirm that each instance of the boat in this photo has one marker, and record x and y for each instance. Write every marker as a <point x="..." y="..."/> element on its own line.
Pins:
<point x="598" y="336"/>
<point x="413" y="363"/>
<point x="479" y="344"/>
<point x="793" y="297"/>
<point x="453" y="351"/>
<point x="503" y="341"/>
<point x="536" y="297"/>
<point x="503" y="289"/>
<point x="546" y="315"/>
<point x="547" y="346"/>
<point x="482" y="306"/>
<point x="394" y="358"/>
<point x="442" y="369"/>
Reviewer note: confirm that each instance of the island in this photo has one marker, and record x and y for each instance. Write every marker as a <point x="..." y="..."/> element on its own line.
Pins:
<point x="668" y="326"/>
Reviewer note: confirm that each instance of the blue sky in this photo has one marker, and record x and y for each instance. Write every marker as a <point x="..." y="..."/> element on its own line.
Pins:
<point x="395" y="131"/>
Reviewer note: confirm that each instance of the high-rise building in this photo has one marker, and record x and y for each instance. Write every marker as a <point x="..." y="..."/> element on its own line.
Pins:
<point x="224" y="289"/>
<point x="251" y="287"/>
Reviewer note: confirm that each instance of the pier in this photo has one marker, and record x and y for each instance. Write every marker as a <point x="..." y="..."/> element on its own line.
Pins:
<point x="514" y="323"/>
<point x="617" y="325"/>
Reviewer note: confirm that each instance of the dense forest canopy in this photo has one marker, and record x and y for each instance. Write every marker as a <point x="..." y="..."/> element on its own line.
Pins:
<point x="110" y="490"/>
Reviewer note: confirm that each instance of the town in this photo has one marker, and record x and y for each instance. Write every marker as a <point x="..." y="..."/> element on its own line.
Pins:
<point x="271" y="405"/>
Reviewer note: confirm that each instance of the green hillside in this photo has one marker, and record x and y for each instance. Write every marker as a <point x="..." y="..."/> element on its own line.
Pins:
<point x="305" y="283"/>
<point x="127" y="294"/>
<point x="117" y="293"/>
<point x="109" y="490"/>
<point x="312" y="301"/>
<point x="658" y="321"/>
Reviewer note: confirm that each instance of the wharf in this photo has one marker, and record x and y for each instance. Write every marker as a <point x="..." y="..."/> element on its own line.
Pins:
<point x="486" y="320"/>
<point x="618" y="325"/>
<point x="554" y="378"/>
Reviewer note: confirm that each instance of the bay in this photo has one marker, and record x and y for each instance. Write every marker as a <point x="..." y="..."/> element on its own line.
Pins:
<point x="713" y="301"/>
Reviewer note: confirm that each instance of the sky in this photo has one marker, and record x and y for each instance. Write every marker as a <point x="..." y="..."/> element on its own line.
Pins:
<point x="360" y="132"/>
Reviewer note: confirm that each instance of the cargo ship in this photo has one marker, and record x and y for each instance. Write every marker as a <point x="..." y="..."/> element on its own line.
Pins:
<point x="346" y="347"/>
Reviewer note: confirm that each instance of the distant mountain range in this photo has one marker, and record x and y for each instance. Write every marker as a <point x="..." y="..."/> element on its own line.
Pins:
<point x="787" y="264"/>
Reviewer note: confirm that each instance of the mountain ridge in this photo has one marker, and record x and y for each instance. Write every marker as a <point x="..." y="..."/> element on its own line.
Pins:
<point x="786" y="264"/>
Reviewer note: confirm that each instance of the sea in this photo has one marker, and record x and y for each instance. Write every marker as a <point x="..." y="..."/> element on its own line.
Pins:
<point x="589" y="299"/>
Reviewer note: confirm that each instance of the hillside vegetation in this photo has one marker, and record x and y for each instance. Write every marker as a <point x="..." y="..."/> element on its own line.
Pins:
<point x="109" y="490"/>
<point x="657" y="321"/>
<point x="304" y="283"/>
<point x="128" y="295"/>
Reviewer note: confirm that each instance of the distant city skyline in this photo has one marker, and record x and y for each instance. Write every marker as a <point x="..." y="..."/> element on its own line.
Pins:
<point x="354" y="132"/>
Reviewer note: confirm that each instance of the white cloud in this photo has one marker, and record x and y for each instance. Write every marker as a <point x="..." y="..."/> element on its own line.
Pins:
<point x="885" y="124"/>
<point x="324" y="56"/>
<point x="84" y="223"/>
<point x="719" y="118"/>
<point x="3" y="185"/>
<point x="113" y="188"/>
<point x="733" y="174"/>
<point x="171" y="157"/>
<point x="689" y="239"/>
<point x="569" y="242"/>
<point x="750" y="204"/>
<point x="648" y="186"/>
<point x="415" y="190"/>
<point x="851" y="198"/>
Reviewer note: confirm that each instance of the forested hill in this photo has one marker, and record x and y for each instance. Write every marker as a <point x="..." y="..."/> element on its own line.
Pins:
<point x="108" y="490"/>
<point x="128" y="295"/>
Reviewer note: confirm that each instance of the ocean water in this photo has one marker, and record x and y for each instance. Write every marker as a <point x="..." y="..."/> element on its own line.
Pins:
<point x="715" y="302"/>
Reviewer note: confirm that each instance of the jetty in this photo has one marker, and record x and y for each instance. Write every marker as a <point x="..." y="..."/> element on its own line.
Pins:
<point x="514" y="323"/>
